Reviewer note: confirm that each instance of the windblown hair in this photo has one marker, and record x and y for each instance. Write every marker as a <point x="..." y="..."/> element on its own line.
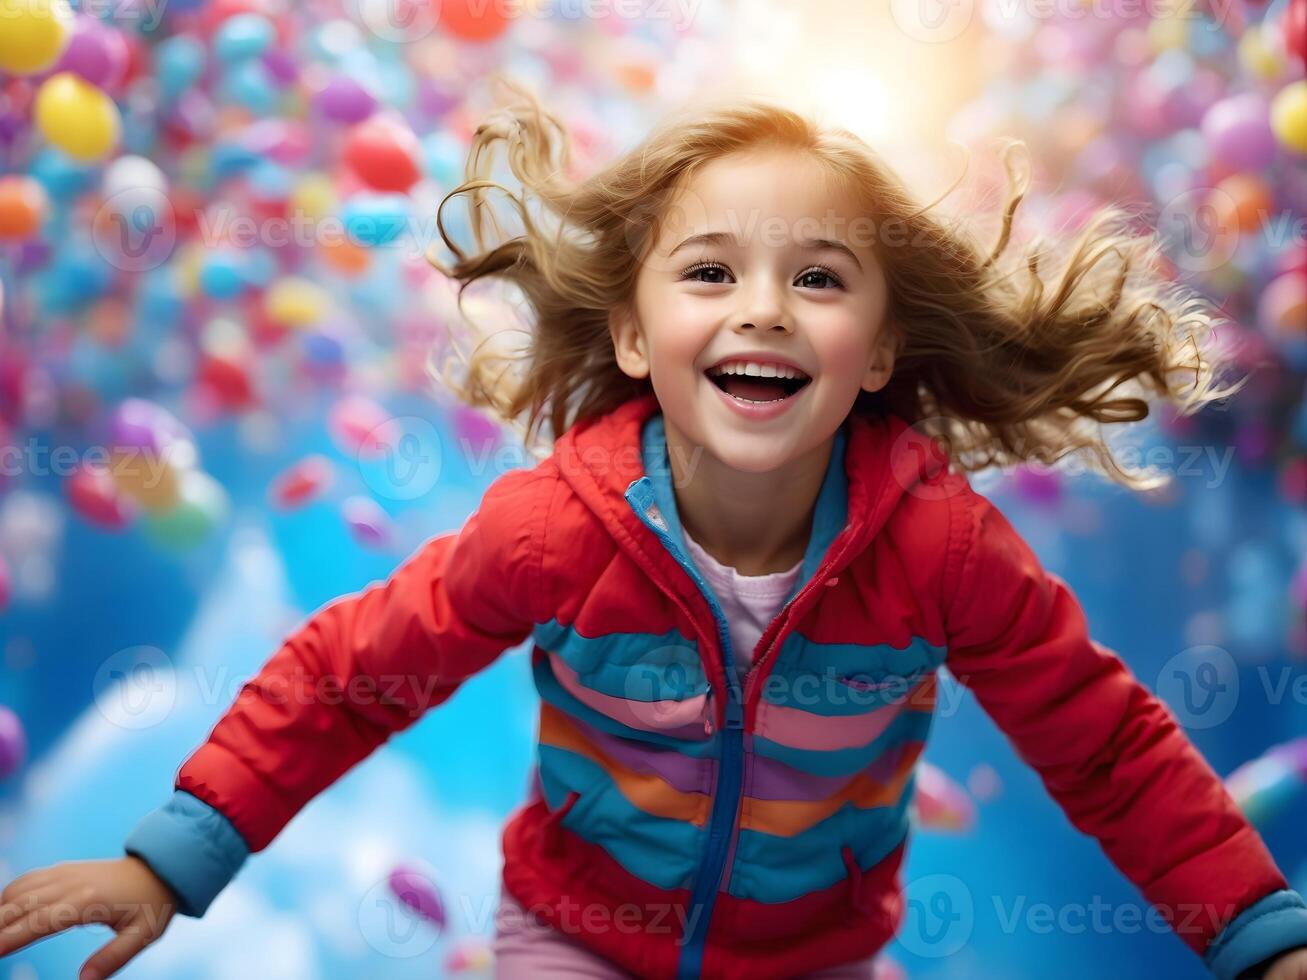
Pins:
<point x="1004" y="354"/>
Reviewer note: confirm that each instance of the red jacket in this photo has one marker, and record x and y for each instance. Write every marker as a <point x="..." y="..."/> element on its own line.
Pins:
<point x="689" y="822"/>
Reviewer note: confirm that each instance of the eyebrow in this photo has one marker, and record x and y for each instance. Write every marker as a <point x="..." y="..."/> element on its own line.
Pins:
<point x="722" y="238"/>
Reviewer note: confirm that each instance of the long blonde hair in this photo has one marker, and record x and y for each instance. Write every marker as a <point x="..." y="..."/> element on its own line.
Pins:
<point x="999" y="357"/>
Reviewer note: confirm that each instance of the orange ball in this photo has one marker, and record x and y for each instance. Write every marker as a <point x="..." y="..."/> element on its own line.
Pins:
<point x="346" y="257"/>
<point x="148" y="479"/>
<point x="1242" y="202"/>
<point x="22" y="207"/>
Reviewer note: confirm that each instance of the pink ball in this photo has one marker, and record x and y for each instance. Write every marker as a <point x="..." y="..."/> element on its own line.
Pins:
<point x="1238" y="132"/>
<point x="13" y="743"/>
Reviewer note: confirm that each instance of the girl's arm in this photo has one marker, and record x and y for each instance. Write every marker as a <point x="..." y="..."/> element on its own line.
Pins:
<point x="1109" y="752"/>
<point x="361" y="668"/>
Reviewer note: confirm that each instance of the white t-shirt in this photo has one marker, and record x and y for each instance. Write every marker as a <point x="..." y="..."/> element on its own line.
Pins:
<point x="750" y="602"/>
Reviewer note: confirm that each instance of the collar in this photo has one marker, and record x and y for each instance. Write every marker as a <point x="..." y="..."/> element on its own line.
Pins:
<point x="655" y="488"/>
<point x="602" y="458"/>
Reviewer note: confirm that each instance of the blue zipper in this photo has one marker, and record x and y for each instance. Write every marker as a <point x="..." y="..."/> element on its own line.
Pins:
<point x="726" y="803"/>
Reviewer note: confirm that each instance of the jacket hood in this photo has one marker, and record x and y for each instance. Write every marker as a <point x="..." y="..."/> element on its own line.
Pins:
<point x="618" y="465"/>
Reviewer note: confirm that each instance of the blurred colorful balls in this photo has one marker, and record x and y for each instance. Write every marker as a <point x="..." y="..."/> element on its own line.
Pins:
<point x="76" y="116"/>
<point x="35" y="33"/>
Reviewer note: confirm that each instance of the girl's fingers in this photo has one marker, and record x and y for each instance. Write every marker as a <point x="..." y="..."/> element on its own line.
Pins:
<point x="110" y="958"/>
<point x="42" y="913"/>
<point x="14" y="900"/>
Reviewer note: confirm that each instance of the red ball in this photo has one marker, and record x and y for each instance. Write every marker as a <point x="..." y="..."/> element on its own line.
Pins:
<point x="472" y="20"/>
<point x="1295" y="30"/>
<point x="384" y="153"/>
<point x="227" y="382"/>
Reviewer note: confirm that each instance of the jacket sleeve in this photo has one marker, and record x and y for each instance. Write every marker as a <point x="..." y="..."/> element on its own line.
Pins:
<point x="1108" y="751"/>
<point x="362" y="667"/>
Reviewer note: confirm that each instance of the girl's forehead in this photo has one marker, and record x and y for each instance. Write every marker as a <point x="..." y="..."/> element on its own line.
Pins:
<point x="774" y="193"/>
<point x="773" y="199"/>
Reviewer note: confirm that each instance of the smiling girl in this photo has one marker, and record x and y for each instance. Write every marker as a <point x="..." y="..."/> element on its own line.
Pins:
<point x="765" y="372"/>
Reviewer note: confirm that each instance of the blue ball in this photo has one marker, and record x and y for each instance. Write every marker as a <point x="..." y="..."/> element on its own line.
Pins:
<point x="222" y="275"/>
<point x="243" y="36"/>
<point x="374" y="219"/>
<point x="179" y="63"/>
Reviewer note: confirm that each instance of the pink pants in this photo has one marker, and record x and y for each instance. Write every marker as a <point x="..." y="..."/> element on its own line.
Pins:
<point x="526" y="949"/>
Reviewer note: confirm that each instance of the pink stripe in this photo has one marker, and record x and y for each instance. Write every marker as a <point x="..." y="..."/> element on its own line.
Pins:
<point x="799" y="729"/>
<point x="683" y="719"/>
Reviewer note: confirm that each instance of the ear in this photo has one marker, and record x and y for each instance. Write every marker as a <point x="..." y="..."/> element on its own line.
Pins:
<point x="880" y="367"/>
<point x="628" y="342"/>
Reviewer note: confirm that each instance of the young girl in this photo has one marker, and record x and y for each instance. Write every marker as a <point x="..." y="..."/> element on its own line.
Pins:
<point x="742" y="566"/>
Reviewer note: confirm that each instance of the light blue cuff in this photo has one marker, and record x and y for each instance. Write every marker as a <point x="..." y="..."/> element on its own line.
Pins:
<point x="1271" y="925"/>
<point x="192" y="847"/>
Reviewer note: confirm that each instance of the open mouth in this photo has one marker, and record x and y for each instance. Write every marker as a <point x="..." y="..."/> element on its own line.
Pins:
<point x="752" y="388"/>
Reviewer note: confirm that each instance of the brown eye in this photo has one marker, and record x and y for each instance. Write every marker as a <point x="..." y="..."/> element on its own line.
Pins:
<point x="821" y="272"/>
<point x="694" y="271"/>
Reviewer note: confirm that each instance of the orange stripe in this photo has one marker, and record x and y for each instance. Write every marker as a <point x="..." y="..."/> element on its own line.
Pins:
<point x="649" y="792"/>
<point x="786" y="818"/>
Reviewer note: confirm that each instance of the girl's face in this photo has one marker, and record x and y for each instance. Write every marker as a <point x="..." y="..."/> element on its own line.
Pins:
<point x="758" y="258"/>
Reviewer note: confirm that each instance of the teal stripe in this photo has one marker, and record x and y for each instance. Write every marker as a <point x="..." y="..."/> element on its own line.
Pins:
<point x="557" y="695"/>
<point x="774" y="869"/>
<point x="660" y="851"/>
<point x="909" y="726"/>
<point x="807" y="674"/>
<point x="635" y="666"/>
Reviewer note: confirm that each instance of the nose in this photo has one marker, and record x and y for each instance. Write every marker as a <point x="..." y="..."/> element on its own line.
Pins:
<point x="764" y="308"/>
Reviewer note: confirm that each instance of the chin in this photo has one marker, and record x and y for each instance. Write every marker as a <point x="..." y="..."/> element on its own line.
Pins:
<point x="766" y="457"/>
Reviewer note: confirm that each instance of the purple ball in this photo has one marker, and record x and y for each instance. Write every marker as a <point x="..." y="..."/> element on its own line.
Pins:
<point x="281" y="66"/>
<point x="97" y="52"/>
<point x="435" y="99"/>
<point x="1038" y="486"/>
<point x="13" y="743"/>
<point x="1238" y="132"/>
<point x="345" y="100"/>
<point x="32" y="255"/>
<point x="141" y="424"/>
<point x="419" y="893"/>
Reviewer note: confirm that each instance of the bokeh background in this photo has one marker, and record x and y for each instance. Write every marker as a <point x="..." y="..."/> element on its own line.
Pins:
<point x="214" y="223"/>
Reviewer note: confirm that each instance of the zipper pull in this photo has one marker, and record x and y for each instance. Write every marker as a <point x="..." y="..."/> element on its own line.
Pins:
<point x="734" y="709"/>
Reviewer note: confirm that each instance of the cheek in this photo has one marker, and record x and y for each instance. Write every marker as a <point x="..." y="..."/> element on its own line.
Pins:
<point x="843" y="349"/>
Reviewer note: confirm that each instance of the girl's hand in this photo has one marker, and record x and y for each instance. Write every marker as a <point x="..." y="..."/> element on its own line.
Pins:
<point x="123" y="894"/>
<point x="1288" y="966"/>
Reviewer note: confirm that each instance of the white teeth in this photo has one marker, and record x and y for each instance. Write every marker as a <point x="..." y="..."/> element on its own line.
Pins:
<point x="756" y="370"/>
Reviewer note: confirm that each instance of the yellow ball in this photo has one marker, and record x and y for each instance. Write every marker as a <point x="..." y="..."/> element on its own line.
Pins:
<point x="295" y="302"/>
<point x="1289" y="116"/>
<point x="1166" y="33"/>
<point x="314" y="197"/>
<point x="1257" y="57"/>
<point x="76" y="116"/>
<point x="34" y="34"/>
